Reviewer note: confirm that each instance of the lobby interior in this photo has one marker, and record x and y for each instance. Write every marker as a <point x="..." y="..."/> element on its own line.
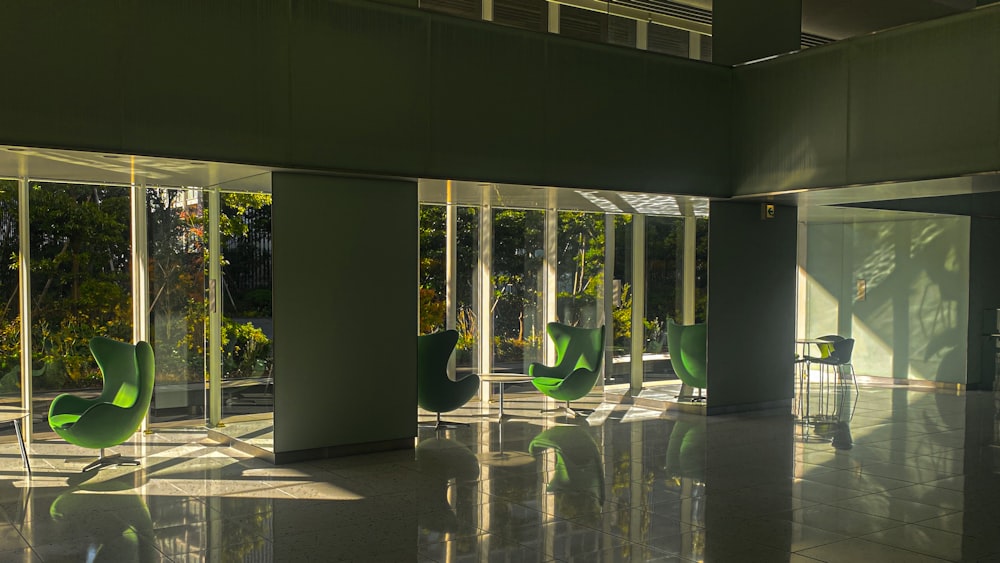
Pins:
<point x="878" y="152"/>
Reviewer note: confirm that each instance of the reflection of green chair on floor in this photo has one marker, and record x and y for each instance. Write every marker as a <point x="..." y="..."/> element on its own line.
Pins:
<point x="578" y="480"/>
<point x="132" y="540"/>
<point x="436" y="392"/>
<point x="117" y="413"/>
<point x="439" y="461"/>
<point x="686" y="450"/>
<point x="688" y="348"/>
<point x="579" y="355"/>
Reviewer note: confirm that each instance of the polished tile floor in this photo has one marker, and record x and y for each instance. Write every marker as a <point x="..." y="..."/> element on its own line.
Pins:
<point x="900" y="475"/>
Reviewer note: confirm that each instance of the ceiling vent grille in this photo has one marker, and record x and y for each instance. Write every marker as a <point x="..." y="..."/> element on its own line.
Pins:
<point x="469" y="9"/>
<point x="667" y="8"/>
<point x="525" y="14"/>
<point x="811" y="40"/>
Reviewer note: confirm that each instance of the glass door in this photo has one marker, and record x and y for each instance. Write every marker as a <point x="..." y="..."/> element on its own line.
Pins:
<point x="178" y="309"/>
<point x="247" y="330"/>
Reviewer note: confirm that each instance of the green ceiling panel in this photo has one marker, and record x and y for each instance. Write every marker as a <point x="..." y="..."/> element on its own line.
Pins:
<point x="789" y="122"/>
<point x="925" y="100"/>
<point x="486" y="105"/>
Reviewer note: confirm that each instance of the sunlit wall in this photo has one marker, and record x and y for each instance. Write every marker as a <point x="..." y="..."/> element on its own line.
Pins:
<point x="900" y="287"/>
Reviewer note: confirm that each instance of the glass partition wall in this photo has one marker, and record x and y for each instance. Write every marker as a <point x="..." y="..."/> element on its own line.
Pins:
<point x="583" y="258"/>
<point x="81" y="281"/>
<point x="178" y="307"/>
<point x="81" y="243"/>
<point x="10" y="342"/>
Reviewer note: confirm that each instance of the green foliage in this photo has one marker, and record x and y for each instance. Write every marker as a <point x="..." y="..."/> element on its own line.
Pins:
<point x="622" y="317"/>
<point x="432" y="248"/>
<point x="81" y="282"/>
<point x="246" y="350"/>
<point x="432" y="311"/>
<point x="513" y="349"/>
<point x="468" y="334"/>
<point x="232" y="221"/>
<point x="256" y="303"/>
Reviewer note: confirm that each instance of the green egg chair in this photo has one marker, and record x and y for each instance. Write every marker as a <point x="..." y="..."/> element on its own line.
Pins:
<point x="116" y="414"/>
<point x="579" y="357"/>
<point x="688" y="348"/>
<point x="436" y="392"/>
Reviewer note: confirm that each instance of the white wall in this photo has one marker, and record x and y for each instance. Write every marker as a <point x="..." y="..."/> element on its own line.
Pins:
<point x="913" y="321"/>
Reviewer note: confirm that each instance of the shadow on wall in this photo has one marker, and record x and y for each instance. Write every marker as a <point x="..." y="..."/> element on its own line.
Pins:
<point x="911" y="321"/>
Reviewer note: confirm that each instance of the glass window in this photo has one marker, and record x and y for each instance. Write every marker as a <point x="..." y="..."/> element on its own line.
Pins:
<point x="621" y="306"/>
<point x="518" y="314"/>
<point x="580" y="269"/>
<point x="433" y="270"/>
<point x="80" y="282"/>
<point x="467" y="290"/>
<point x="10" y="329"/>
<point x="664" y="296"/>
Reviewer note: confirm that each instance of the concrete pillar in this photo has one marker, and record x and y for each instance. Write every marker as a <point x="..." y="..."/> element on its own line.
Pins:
<point x="345" y="315"/>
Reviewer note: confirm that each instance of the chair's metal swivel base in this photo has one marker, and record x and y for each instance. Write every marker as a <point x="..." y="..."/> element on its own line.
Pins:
<point x="569" y="412"/>
<point x="685" y="394"/>
<point x="439" y="424"/>
<point x="108" y="461"/>
<point x="692" y="398"/>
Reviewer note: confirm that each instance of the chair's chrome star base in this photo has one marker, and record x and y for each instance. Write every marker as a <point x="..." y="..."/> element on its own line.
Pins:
<point x="439" y="424"/>
<point x="108" y="461"/>
<point x="569" y="412"/>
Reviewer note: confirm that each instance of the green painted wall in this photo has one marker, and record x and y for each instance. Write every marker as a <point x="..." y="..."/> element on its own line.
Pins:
<point x="751" y="307"/>
<point x="920" y="101"/>
<point x="745" y="31"/>
<point x="360" y="87"/>
<point x="345" y="310"/>
<point x="913" y="322"/>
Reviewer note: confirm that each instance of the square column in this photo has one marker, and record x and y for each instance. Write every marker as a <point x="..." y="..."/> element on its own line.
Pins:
<point x="751" y="307"/>
<point x="345" y="312"/>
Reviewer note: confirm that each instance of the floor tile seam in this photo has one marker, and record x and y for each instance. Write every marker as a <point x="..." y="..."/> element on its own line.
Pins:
<point x="624" y="542"/>
<point x="908" y="479"/>
<point x="885" y="489"/>
<point x="888" y="491"/>
<point x="289" y="495"/>
<point x="508" y="540"/>
<point x="907" y="453"/>
<point x="870" y="538"/>
<point x="950" y="511"/>
<point x="897" y="523"/>
<point x="909" y="461"/>
<point x="550" y="556"/>
<point x="161" y="547"/>
<point x="27" y="544"/>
